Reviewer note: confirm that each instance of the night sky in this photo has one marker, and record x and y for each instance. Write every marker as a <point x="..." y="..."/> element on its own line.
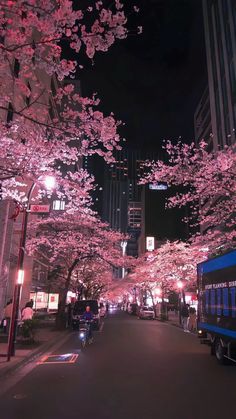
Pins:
<point x="153" y="82"/>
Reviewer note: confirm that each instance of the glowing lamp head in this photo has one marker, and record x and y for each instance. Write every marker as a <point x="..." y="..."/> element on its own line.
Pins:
<point x="50" y="182"/>
<point x="158" y="292"/>
<point x="20" y="277"/>
<point x="180" y="284"/>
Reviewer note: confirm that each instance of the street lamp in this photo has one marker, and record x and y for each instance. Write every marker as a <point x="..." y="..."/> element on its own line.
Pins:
<point x="20" y="277"/>
<point x="158" y="292"/>
<point x="49" y="182"/>
<point x="123" y="245"/>
<point x="180" y="286"/>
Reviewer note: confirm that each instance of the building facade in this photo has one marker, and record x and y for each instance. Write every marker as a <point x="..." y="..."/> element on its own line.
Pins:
<point x="220" y="39"/>
<point x="122" y="206"/>
<point x="202" y="121"/>
<point x="158" y="221"/>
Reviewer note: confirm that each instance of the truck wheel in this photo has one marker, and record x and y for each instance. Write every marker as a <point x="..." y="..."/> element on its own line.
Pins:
<point x="220" y="352"/>
<point x="212" y="346"/>
<point x="213" y="351"/>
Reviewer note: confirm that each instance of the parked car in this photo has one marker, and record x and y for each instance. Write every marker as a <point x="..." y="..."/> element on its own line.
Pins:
<point x="113" y="306"/>
<point x="79" y="309"/>
<point x="102" y="310"/>
<point x="146" y="312"/>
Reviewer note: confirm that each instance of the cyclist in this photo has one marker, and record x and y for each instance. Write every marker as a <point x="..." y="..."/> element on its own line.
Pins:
<point x="88" y="317"/>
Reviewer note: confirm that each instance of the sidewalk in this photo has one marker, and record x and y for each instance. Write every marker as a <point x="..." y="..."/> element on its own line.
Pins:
<point x="174" y="318"/>
<point x="45" y="338"/>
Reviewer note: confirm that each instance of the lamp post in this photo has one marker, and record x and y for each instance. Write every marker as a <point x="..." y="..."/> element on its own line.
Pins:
<point x="180" y="286"/>
<point x="123" y="247"/>
<point x="49" y="182"/>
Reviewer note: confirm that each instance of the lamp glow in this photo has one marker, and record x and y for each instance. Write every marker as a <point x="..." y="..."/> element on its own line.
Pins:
<point x="158" y="292"/>
<point x="50" y="182"/>
<point x="20" y="277"/>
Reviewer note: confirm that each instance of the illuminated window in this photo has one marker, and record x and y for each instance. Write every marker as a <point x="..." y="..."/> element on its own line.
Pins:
<point x="58" y="205"/>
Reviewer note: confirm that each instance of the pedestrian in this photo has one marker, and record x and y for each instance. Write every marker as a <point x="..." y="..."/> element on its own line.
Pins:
<point x="27" y="312"/>
<point x="31" y="303"/>
<point x="7" y="316"/>
<point x="185" y="316"/>
<point x="192" y="325"/>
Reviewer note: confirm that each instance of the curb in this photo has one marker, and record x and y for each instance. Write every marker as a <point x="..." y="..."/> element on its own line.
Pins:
<point x="34" y="354"/>
<point x="176" y="325"/>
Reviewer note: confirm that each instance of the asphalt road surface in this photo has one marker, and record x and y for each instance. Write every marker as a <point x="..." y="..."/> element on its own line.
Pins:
<point x="134" y="370"/>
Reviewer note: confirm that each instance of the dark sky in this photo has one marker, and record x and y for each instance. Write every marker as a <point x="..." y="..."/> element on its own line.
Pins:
<point x="154" y="81"/>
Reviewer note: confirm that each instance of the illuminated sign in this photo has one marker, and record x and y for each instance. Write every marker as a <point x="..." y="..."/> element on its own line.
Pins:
<point x="150" y="243"/>
<point x="39" y="208"/>
<point x="158" y="186"/>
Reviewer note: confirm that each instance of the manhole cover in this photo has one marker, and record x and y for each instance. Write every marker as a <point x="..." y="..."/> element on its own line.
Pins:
<point x="59" y="359"/>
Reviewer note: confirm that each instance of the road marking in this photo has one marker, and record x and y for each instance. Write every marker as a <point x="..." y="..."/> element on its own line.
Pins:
<point x="58" y="359"/>
<point x="11" y="379"/>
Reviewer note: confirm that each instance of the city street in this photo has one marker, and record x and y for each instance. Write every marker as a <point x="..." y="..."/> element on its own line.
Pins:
<point x="135" y="369"/>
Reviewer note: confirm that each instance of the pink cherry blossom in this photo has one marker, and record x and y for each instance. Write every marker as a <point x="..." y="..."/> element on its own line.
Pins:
<point x="75" y="242"/>
<point x="207" y="181"/>
<point x="32" y="78"/>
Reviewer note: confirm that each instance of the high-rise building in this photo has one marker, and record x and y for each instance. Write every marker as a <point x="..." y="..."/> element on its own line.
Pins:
<point x="122" y="206"/>
<point x="116" y="193"/>
<point x="158" y="221"/>
<point x="202" y="120"/>
<point x="220" y="39"/>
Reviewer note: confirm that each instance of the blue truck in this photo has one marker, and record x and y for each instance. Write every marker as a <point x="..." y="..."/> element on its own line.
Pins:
<point x="217" y="305"/>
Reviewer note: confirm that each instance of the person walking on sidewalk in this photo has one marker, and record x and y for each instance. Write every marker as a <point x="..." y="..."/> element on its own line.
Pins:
<point x="185" y="316"/>
<point x="27" y="312"/>
<point x="192" y="325"/>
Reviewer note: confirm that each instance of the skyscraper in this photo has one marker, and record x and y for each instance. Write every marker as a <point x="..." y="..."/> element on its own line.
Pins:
<point x="122" y="206"/>
<point x="220" y="38"/>
<point x="202" y="120"/>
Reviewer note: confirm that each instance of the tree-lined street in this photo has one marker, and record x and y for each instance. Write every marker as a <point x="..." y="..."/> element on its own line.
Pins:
<point x="135" y="369"/>
<point x="117" y="203"/>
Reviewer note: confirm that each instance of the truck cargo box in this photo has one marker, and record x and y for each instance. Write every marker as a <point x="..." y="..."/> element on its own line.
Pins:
<point x="217" y="296"/>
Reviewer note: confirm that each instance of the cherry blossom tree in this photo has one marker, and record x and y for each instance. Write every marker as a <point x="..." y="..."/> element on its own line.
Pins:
<point x="160" y="271"/>
<point x="92" y="278"/>
<point x="71" y="240"/>
<point x="208" y="183"/>
<point x="43" y="117"/>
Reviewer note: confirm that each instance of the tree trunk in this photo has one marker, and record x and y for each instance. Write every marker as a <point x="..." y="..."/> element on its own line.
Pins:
<point x="61" y="318"/>
<point x="153" y="303"/>
<point x="164" y="315"/>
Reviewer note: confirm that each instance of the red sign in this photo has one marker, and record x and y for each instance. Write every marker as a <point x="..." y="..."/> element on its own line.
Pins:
<point x="39" y="208"/>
